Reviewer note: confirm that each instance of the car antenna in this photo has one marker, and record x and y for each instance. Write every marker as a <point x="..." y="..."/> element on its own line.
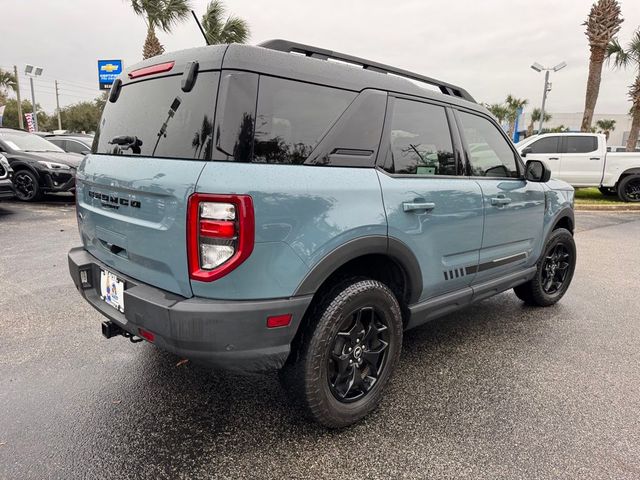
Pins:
<point x="195" y="17"/>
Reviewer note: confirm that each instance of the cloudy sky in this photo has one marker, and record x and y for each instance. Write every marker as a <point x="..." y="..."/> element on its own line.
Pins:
<point x="486" y="46"/>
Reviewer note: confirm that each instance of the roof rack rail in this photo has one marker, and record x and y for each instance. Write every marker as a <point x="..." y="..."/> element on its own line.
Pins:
<point x="322" y="54"/>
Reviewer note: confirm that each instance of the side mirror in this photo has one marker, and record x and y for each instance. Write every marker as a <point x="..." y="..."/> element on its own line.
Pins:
<point x="536" y="171"/>
<point x="526" y="151"/>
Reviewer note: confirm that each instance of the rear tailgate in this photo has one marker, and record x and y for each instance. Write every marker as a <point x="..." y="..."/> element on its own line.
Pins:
<point x="149" y="150"/>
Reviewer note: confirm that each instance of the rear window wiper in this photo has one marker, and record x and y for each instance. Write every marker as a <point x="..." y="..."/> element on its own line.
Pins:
<point x="126" y="142"/>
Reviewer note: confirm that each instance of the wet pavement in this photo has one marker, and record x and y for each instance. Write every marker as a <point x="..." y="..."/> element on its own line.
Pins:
<point x="497" y="390"/>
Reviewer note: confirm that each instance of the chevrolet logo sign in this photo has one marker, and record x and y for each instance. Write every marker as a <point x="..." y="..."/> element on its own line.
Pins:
<point x="109" y="67"/>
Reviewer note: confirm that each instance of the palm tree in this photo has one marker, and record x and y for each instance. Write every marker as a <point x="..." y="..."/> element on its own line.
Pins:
<point x="233" y="30"/>
<point x="162" y="14"/>
<point x="513" y="106"/>
<point x="606" y="126"/>
<point x="629" y="57"/>
<point x="498" y="110"/>
<point x="535" y="117"/>
<point x="7" y="81"/>
<point x="603" y="23"/>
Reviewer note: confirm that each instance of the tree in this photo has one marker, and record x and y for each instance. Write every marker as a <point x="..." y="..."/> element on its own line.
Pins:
<point x="623" y="58"/>
<point x="233" y="30"/>
<point x="498" y="110"/>
<point x="514" y="105"/>
<point x="10" y="118"/>
<point x="81" y="116"/>
<point x="162" y="14"/>
<point x="535" y="118"/>
<point x="606" y="126"/>
<point x="7" y="83"/>
<point x="603" y="23"/>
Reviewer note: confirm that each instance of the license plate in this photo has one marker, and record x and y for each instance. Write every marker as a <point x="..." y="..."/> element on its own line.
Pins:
<point x="112" y="290"/>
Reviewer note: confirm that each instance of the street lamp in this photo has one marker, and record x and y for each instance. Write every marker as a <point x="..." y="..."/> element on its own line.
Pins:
<point x="31" y="72"/>
<point x="547" y="86"/>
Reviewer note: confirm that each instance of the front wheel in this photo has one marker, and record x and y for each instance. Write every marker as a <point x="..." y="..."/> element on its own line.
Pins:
<point x="554" y="271"/>
<point x="27" y="186"/>
<point x="348" y="354"/>
<point x="629" y="188"/>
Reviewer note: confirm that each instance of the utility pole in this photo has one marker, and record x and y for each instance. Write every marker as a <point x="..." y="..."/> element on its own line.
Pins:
<point x="20" y="120"/>
<point x="544" y="99"/>
<point x="58" y="107"/>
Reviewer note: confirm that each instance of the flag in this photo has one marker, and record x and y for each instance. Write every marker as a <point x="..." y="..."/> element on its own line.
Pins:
<point x="2" y="107"/>
<point x="30" y="126"/>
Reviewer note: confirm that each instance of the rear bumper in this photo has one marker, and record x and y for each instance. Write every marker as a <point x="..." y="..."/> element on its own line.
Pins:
<point x="6" y="188"/>
<point x="231" y="335"/>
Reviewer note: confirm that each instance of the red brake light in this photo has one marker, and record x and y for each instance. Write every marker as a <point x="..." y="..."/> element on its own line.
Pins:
<point x="278" y="321"/>
<point x="220" y="234"/>
<point x="152" y="69"/>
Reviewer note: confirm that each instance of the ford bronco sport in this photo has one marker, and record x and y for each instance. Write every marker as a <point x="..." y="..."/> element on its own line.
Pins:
<point x="269" y="207"/>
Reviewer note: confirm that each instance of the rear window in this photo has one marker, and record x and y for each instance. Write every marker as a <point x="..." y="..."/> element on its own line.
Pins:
<point x="155" y="118"/>
<point x="580" y="144"/>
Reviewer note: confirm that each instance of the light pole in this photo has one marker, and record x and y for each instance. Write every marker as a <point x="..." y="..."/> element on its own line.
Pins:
<point x="547" y="86"/>
<point x="31" y="71"/>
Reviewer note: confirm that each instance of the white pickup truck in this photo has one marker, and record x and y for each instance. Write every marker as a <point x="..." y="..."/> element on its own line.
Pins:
<point x="582" y="160"/>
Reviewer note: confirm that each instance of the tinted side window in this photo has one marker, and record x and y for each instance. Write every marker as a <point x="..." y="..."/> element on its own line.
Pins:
<point x="489" y="152"/>
<point x="292" y="117"/>
<point x="580" y="144"/>
<point x="545" y="145"/>
<point x="420" y="140"/>
<point x="156" y="118"/>
<point x="75" y="147"/>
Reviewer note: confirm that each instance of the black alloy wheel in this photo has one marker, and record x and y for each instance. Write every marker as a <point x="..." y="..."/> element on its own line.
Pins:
<point x="555" y="268"/>
<point x="629" y="189"/>
<point x="26" y="186"/>
<point x="358" y="354"/>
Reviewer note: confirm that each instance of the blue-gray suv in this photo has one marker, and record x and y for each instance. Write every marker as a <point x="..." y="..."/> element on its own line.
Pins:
<point x="288" y="207"/>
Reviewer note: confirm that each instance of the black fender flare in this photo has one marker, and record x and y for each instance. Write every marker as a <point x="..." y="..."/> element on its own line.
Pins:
<point x="393" y="248"/>
<point x="18" y="165"/>
<point x="565" y="212"/>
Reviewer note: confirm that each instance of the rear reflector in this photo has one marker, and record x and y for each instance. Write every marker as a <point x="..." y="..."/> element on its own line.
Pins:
<point x="151" y="70"/>
<point x="146" y="334"/>
<point x="278" y="321"/>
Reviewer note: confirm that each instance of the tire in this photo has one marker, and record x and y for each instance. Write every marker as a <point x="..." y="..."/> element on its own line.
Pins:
<point x="629" y="188"/>
<point x="27" y="186"/>
<point x="608" y="191"/>
<point x="550" y="282"/>
<point x="333" y="392"/>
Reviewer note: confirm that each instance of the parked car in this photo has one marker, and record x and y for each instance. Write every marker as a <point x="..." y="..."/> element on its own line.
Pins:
<point x="6" y="179"/>
<point x="321" y="214"/>
<point x="582" y="160"/>
<point x="39" y="165"/>
<point x="72" y="143"/>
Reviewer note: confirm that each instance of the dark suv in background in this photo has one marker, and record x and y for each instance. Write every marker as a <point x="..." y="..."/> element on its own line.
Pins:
<point x="39" y="165"/>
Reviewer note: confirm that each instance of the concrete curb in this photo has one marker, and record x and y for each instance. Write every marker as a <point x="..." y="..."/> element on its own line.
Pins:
<point x="624" y="207"/>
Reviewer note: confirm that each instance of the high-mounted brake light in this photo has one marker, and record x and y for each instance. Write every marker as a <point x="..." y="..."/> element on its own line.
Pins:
<point x="151" y="70"/>
<point x="220" y="234"/>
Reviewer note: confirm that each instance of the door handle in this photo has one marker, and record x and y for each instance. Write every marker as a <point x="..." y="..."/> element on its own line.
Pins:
<point x="498" y="201"/>
<point x="554" y="158"/>
<point x="594" y="158"/>
<point x="413" y="206"/>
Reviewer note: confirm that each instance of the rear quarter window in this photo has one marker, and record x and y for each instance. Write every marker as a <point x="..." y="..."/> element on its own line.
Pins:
<point x="155" y="118"/>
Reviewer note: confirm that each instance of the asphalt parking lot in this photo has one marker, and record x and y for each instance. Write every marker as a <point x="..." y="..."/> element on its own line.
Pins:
<point x="498" y="390"/>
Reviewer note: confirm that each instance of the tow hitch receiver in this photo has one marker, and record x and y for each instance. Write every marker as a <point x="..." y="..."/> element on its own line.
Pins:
<point x="110" y="330"/>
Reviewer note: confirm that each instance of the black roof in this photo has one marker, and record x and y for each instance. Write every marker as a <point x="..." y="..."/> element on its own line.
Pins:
<point x="282" y="58"/>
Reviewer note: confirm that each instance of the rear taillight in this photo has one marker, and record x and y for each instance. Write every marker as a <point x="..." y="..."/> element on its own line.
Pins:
<point x="220" y="234"/>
